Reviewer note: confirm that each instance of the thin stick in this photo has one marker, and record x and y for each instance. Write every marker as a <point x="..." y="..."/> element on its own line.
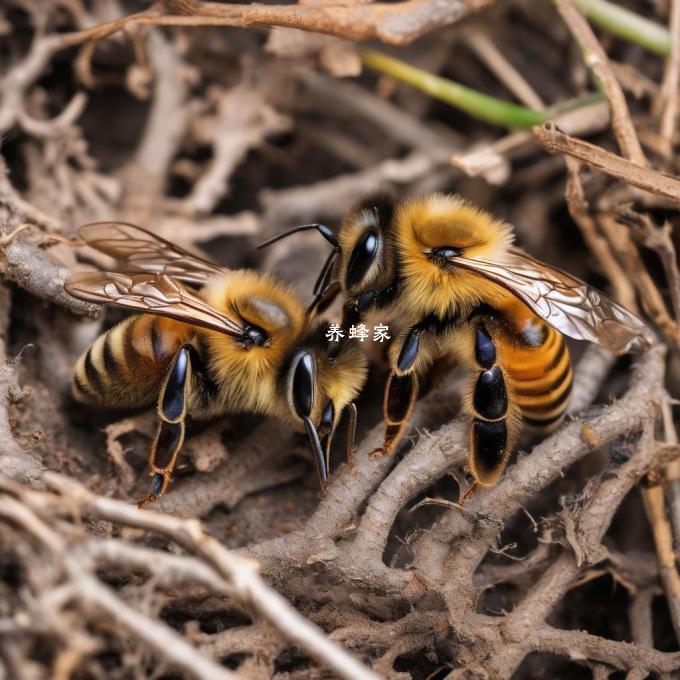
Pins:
<point x="610" y="164"/>
<point x="88" y="589"/>
<point x="663" y="540"/>
<point x="650" y="297"/>
<point x="598" y="244"/>
<point x="388" y="22"/>
<point x="667" y="104"/>
<point x="498" y="64"/>
<point x="597" y="61"/>
<point x="659" y="239"/>
<point x="672" y="472"/>
<point x="240" y="572"/>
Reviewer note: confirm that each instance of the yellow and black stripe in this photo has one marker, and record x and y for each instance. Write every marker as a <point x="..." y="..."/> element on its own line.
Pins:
<point x="125" y="366"/>
<point x="542" y="379"/>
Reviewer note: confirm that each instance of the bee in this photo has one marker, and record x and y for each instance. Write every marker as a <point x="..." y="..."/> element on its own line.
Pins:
<point x="449" y="274"/>
<point x="209" y="341"/>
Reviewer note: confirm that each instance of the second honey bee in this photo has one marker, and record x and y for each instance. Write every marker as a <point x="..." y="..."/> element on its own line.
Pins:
<point x="449" y="275"/>
<point x="228" y="342"/>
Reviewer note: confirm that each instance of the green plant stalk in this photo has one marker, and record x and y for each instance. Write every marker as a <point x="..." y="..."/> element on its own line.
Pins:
<point x="628" y="25"/>
<point x="609" y="16"/>
<point x="478" y="105"/>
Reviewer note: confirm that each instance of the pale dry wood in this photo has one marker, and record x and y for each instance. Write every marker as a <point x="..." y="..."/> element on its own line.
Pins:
<point x="597" y="61"/>
<point x="89" y="590"/>
<point x="393" y="23"/>
<point x="240" y="573"/>
<point x="655" y="507"/>
<point x="485" y="48"/>
<point x="666" y="106"/>
<point x="610" y="164"/>
<point x="623" y="291"/>
<point x="35" y="271"/>
<point x="492" y="161"/>
<point x="659" y="239"/>
<point x="650" y="298"/>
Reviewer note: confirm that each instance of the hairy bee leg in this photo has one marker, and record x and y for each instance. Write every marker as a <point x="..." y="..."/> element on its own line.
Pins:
<point x="492" y="432"/>
<point x="401" y="393"/>
<point x="171" y="409"/>
<point x="401" y="390"/>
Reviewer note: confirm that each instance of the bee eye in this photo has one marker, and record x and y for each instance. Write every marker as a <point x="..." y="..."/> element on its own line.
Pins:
<point x="362" y="258"/>
<point x="328" y="415"/>
<point x="446" y="252"/>
<point x="255" y="335"/>
<point x="303" y="385"/>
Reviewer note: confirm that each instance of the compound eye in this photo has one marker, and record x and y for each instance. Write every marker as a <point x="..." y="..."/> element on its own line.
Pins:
<point x="303" y="385"/>
<point x="446" y="252"/>
<point x="328" y="415"/>
<point x="362" y="258"/>
<point x="255" y="335"/>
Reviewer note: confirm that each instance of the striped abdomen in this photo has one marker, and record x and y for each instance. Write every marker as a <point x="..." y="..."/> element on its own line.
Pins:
<point x="124" y="367"/>
<point x="542" y="378"/>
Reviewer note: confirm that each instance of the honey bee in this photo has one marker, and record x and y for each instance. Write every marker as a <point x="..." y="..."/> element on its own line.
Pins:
<point x="236" y="341"/>
<point x="448" y="273"/>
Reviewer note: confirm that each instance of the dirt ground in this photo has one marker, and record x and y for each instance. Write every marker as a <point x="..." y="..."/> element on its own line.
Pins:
<point x="219" y="125"/>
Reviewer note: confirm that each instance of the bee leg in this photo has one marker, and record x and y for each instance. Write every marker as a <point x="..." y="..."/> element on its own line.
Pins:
<point x="171" y="408"/>
<point x="472" y="491"/>
<point x="401" y="392"/>
<point x="493" y="414"/>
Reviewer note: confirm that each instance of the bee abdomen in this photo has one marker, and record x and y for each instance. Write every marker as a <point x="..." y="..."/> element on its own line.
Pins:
<point x="124" y="366"/>
<point x="542" y="379"/>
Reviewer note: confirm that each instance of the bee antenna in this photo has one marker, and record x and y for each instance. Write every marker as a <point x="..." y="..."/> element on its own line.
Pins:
<point x="322" y="280"/>
<point x="324" y="296"/>
<point x="322" y="229"/>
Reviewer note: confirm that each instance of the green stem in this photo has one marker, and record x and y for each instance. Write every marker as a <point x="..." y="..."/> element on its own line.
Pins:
<point x="609" y="16"/>
<point x="628" y="25"/>
<point x="478" y="105"/>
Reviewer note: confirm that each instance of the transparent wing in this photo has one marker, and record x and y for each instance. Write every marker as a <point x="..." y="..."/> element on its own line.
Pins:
<point x="152" y="294"/>
<point x="568" y="304"/>
<point x="143" y="251"/>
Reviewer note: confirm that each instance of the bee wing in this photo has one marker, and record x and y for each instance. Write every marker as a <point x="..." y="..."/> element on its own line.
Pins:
<point x="143" y="251"/>
<point x="568" y="304"/>
<point x="152" y="294"/>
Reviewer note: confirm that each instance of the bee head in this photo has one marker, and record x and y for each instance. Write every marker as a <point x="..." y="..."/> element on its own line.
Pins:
<point x="321" y="382"/>
<point x="434" y="230"/>
<point x="365" y="258"/>
<point x="441" y="226"/>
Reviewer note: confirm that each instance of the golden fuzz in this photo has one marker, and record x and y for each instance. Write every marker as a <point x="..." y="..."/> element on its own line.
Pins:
<point x="250" y="375"/>
<point x="440" y="220"/>
<point x="342" y="381"/>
